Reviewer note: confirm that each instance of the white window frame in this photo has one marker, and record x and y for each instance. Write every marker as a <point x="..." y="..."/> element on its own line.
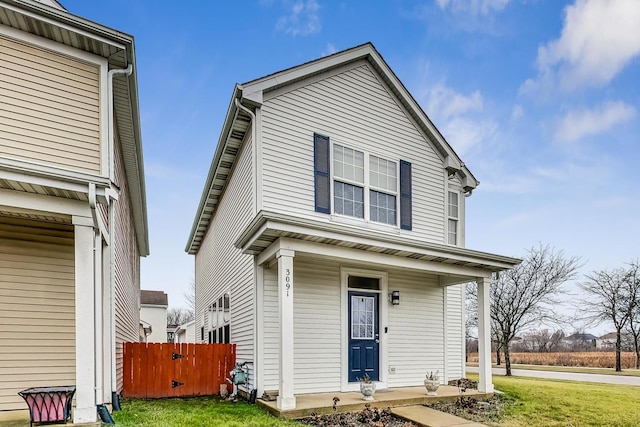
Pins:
<point x="366" y="186"/>
<point x="451" y="218"/>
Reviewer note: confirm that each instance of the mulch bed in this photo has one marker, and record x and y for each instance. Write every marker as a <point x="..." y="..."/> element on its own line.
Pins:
<point x="368" y="417"/>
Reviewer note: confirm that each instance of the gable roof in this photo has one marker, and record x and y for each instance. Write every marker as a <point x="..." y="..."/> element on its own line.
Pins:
<point x="153" y="298"/>
<point x="252" y="93"/>
<point x="44" y="19"/>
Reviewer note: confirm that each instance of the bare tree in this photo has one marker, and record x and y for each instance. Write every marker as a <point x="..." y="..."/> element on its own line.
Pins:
<point x="526" y="294"/>
<point x="179" y="316"/>
<point x="612" y="301"/>
<point x="633" y="281"/>
<point x="190" y="296"/>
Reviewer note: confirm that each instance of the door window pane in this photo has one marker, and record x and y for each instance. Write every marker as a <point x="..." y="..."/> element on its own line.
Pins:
<point x="362" y="317"/>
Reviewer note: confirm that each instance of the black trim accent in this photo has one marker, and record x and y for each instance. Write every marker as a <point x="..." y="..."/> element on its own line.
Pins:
<point x="322" y="168"/>
<point x="405" y="195"/>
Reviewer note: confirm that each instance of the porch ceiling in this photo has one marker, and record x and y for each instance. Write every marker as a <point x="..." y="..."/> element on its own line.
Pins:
<point x="268" y="227"/>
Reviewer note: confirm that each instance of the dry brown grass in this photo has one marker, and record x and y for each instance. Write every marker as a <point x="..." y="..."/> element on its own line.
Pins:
<point x="591" y="359"/>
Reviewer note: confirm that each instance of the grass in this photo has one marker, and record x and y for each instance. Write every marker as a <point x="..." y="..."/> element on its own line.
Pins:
<point x="557" y="403"/>
<point x="195" y="412"/>
<point x="588" y="359"/>
<point x="578" y="369"/>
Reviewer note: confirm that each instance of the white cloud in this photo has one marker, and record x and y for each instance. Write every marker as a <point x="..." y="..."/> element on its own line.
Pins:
<point x="445" y="103"/>
<point x="329" y="50"/>
<point x="474" y="6"/>
<point x="455" y="114"/>
<point x="303" y="19"/>
<point x="577" y="124"/>
<point x="517" y="112"/>
<point x="599" y="38"/>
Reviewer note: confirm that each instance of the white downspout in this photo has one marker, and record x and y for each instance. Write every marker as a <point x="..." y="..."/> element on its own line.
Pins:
<point x="111" y="141"/>
<point x="127" y="72"/>
<point x="254" y="139"/>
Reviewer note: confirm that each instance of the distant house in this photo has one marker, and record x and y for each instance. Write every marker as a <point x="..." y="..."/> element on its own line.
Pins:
<point x="153" y="310"/>
<point x="73" y="220"/>
<point x="186" y="333"/>
<point x="608" y="342"/>
<point x="329" y="241"/>
<point x="580" y="341"/>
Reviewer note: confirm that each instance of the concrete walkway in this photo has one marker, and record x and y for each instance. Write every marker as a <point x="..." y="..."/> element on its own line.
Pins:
<point x="573" y="376"/>
<point x="427" y="417"/>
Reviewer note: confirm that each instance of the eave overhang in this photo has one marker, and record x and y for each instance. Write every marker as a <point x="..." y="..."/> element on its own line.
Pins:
<point x="63" y="27"/>
<point x="267" y="227"/>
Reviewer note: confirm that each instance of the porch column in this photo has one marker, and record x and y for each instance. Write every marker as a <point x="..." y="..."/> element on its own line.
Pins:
<point x="485" y="383"/>
<point x="286" y="399"/>
<point x="85" y="411"/>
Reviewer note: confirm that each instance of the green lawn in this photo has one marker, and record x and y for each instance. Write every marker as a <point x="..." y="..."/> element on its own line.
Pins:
<point x="578" y="369"/>
<point x="556" y="403"/>
<point x="194" y="412"/>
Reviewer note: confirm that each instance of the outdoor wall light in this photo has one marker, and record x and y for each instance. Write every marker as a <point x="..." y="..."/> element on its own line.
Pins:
<point x="394" y="298"/>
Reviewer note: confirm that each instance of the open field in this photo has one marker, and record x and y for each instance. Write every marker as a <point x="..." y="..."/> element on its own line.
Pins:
<point x="556" y="403"/>
<point x="590" y="359"/>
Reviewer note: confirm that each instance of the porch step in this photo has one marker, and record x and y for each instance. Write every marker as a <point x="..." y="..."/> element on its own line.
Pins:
<point x="427" y="417"/>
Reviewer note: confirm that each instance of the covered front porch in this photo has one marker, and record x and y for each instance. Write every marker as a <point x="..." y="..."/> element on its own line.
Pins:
<point x="322" y="403"/>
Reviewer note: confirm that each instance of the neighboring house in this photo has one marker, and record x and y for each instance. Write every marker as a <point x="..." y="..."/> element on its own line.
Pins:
<point x="73" y="222"/>
<point x="153" y="310"/>
<point x="145" y="330"/>
<point x="171" y="332"/>
<point x="608" y="342"/>
<point x="186" y="333"/>
<point x="329" y="239"/>
<point x="580" y="341"/>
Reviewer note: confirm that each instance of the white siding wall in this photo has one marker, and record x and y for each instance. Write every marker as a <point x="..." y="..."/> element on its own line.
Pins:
<point x="316" y="305"/>
<point x="156" y="316"/>
<point x="127" y="269"/>
<point x="49" y="108"/>
<point x="455" y="331"/>
<point x="220" y="267"/>
<point x="415" y="339"/>
<point x="37" y="301"/>
<point x="352" y="108"/>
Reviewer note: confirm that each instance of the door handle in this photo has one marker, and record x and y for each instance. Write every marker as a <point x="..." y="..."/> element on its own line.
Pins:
<point x="377" y="339"/>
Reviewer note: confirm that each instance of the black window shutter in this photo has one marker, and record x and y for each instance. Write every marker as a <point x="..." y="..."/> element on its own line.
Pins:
<point x="321" y="173"/>
<point x="405" y="195"/>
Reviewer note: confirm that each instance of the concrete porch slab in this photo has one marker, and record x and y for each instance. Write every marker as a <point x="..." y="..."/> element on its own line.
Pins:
<point x="322" y="403"/>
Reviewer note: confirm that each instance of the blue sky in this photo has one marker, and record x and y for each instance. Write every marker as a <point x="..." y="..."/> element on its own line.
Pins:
<point x="540" y="98"/>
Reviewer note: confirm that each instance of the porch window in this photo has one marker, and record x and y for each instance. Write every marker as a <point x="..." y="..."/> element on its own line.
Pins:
<point x="219" y="321"/>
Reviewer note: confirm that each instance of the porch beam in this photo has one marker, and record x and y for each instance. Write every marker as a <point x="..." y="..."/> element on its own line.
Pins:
<point x="485" y="383"/>
<point x="324" y="250"/>
<point x="286" y="398"/>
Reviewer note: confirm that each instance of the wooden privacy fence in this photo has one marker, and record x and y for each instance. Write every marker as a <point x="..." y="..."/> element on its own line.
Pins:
<point x="155" y="370"/>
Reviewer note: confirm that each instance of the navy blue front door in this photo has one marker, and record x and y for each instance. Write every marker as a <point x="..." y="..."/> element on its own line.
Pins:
<point x="364" y="335"/>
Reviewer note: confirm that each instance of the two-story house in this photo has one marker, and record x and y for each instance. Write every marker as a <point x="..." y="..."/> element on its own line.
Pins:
<point x="329" y="239"/>
<point x="73" y="220"/>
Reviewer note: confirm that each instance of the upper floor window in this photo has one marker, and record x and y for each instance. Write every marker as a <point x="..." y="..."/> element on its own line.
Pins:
<point x="453" y="212"/>
<point x="357" y="184"/>
<point x="354" y="196"/>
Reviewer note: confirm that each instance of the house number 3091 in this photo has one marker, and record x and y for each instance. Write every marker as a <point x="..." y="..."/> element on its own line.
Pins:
<point x="287" y="280"/>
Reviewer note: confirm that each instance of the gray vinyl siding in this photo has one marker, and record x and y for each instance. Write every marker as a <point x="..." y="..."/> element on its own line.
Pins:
<point x="37" y="308"/>
<point x="221" y="267"/>
<point x="455" y="331"/>
<point x="354" y="109"/>
<point x="126" y="269"/>
<point x="316" y="305"/>
<point x="415" y="338"/>
<point x="49" y="108"/>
